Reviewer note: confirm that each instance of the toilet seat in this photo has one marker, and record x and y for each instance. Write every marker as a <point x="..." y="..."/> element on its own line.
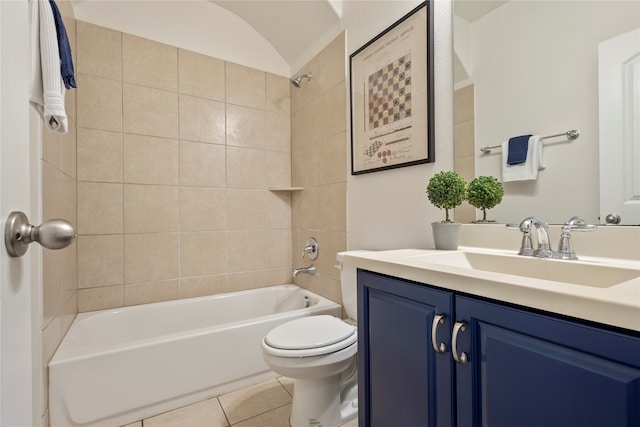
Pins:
<point x="309" y="336"/>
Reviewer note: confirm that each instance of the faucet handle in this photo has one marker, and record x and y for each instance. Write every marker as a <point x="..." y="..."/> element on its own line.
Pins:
<point x="565" y="245"/>
<point x="578" y="224"/>
<point x="312" y="248"/>
<point x="526" y="246"/>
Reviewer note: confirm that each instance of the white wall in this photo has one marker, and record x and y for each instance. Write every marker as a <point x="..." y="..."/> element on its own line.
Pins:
<point x="535" y="70"/>
<point x="198" y="26"/>
<point x="389" y="209"/>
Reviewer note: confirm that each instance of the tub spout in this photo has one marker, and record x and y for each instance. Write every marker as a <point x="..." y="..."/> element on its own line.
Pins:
<point x="309" y="270"/>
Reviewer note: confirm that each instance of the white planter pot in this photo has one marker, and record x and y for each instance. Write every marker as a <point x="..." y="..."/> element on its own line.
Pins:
<point x="446" y="234"/>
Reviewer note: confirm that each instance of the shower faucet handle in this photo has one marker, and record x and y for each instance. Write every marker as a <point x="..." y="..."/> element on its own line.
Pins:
<point x="312" y="248"/>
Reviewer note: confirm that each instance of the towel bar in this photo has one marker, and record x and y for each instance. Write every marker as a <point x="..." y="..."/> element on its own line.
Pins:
<point x="571" y="135"/>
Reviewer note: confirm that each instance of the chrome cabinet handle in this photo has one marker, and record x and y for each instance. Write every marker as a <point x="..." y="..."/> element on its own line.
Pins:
<point x="462" y="358"/>
<point x="52" y="234"/>
<point x="438" y="319"/>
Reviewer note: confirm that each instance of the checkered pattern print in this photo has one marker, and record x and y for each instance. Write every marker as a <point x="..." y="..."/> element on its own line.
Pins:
<point x="390" y="93"/>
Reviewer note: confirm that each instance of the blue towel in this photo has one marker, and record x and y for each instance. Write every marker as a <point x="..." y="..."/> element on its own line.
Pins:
<point x="518" y="146"/>
<point x="66" y="61"/>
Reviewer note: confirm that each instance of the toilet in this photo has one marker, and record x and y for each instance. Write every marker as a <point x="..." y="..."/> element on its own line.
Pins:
<point x="319" y="353"/>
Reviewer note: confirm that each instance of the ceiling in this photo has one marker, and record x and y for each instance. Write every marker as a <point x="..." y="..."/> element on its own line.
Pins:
<point x="292" y="27"/>
<point x="472" y="10"/>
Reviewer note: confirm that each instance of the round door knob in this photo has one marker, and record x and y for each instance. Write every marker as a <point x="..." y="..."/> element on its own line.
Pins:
<point x="613" y="219"/>
<point x="52" y="234"/>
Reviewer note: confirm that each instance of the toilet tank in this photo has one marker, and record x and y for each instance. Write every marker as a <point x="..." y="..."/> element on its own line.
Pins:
<point x="348" y="280"/>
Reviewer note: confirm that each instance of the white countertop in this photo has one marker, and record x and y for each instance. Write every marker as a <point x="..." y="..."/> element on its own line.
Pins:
<point x="617" y="305"/>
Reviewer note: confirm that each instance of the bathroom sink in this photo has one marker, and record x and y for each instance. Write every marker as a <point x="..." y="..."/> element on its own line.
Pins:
<point x="572" y="272"/>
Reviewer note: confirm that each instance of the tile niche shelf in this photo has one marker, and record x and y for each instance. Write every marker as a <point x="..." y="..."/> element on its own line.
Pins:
<point x="285" y="188"/>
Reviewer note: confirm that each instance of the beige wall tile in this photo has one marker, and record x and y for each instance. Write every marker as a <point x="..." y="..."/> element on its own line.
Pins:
<point x="150" y="257"/>
<point x="278" y="169"/>
<point x="99" y="103"/>
<point x="331" y="64"/>
<point x="149" y="292"/>
<point x="99" y="155"/>
<point x="465" y="166"/>
<point x="334" y="113"/>
<point x="51" y="286"/>
<point x="246" y="168"/>
<point x="100" y="298"/>
<point x="202" y="254"/>
<point x="247" y="250"/>
<point x="278" y="92"/>
<point x="308" y="90"/>
<point x="100" y="208"/>
<point x="201" y="286"/>
<point x="68" y="143"/>
<point x="150" y="160"/>
<point x="278" y="129"/>
<point x="151" y="112"/>
<point x="305" y="167"/>
<point x="464" y="138"/>
<point x="100" y="261"/>
<point x="50" y="146"/>
<point x="99" y="51"/>
<point x="201" y="75"/>
<point x="333" y="159"/>
<point x="463" y="104"/>
<point x="150" y="208"/>
<point x="246" y="209"/>
<point x="149" y="63"/>
<point x="280" y="251"/>
<point x="278" y="210"/>
<point x="202" y="120"/>
<point x="202" y="164"/>
<point x="245" y="86"/>
<point x="246" y="127"/>
<point x="246" y="280"/>
<point x="333" y="207"/>
<point x="202" y="209"/>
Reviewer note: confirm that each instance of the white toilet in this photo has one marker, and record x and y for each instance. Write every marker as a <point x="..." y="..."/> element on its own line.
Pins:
<point x="319" y="352"/>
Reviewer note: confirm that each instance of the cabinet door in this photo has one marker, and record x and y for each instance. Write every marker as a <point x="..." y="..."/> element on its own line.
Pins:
<point x="403" y="382"/>
<point x="528" y="369"/>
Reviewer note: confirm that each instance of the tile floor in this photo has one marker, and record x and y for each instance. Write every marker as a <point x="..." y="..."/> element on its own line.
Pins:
<point x="267" y="404"/>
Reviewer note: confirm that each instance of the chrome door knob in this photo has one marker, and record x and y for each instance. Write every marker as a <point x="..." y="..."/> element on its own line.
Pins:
<point x="52" y="234"/>
<point x="613" y="219"/>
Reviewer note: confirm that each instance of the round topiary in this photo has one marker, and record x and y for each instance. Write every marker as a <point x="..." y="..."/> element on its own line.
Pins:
<point x="484" y="193"/>
<point x="446" y="190"/>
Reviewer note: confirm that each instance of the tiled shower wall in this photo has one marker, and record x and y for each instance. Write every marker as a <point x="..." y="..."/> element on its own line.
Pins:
<point x="464" y="145"/>
<point x="319" y="165"/>
<point x="59" y="268"/>
<point x="176" y="152"/>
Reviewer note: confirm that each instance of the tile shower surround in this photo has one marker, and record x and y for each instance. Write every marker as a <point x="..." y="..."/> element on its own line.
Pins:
<point x="175" y="155"/>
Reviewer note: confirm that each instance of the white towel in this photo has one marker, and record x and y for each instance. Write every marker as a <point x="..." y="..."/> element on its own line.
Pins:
<point x="47" y="88"/>
<point x="529" y="169"/>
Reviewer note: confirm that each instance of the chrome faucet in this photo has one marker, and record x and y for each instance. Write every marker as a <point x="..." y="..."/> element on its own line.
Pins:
<point x="543" y="249"/>
<point x="308" y="270"/>
<point x="565" y="250"/>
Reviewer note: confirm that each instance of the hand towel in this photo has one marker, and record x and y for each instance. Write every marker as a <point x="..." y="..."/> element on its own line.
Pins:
<point x="66" y="60"/>
<point x="529" y="169"/>
<point x="518" y="147"/>
<point x="46" y="92"/>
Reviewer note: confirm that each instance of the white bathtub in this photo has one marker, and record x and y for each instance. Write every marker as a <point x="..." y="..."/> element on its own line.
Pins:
<point x="118" y="366"/>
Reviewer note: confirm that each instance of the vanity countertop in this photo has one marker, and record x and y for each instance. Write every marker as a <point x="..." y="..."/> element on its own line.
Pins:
<point x="616" y="304"/>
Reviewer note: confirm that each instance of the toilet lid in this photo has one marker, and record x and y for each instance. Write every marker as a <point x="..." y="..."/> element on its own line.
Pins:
<point x="309" y="332"/>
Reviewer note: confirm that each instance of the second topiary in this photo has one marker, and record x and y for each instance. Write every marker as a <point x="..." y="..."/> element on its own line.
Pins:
<point x="484" y="193"/>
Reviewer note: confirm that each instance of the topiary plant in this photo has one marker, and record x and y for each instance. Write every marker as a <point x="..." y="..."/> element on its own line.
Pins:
<point x="446" y="190"/>
<point x="484" y="193"/>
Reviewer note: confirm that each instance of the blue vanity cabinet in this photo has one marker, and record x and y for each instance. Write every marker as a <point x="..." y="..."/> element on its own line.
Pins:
<point x="530" y="369"/>
<point x="403" y="381"/>
<point x="516" y="366"/>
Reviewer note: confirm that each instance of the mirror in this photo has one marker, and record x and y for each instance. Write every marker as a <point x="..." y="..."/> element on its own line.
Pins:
<point x="531" y="67"/>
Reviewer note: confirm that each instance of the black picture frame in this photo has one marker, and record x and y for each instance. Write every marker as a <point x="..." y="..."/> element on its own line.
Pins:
<point x="391" y="94"/>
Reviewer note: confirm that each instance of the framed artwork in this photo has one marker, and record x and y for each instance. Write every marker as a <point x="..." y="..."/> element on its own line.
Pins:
<point x="392" y="96"/>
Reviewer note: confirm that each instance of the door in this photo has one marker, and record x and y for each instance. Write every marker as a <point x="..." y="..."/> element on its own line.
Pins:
<point x="528" y="370"/>
<point x="402" y="380"/>
<point x="619" y="97"/>
<point x="20" y="339"/>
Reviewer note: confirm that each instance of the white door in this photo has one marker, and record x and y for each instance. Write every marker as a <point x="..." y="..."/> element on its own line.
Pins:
<point x="20" y="339"/>
<point x="619" y="97"/>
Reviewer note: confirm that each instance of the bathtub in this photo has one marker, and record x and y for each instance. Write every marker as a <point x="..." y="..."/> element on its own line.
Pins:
<point x="119" y="366"/>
